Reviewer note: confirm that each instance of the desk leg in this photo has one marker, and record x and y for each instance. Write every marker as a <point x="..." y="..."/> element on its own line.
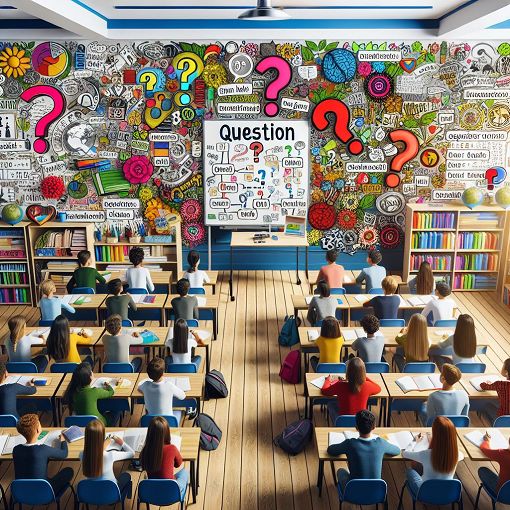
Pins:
<point x="230" y="280"/>
<point x="320" y="476"/>
<point x="306" y="262"/>
<point x="388" y="413"/>
<point x="55" y="413"/>
<point x="197" y="479"/>
<point x="207" y="363"/>
<point x="215" y="324"/>
<point x="193" y="481"/>
<point x="298" y="281"/>
<point x="214" y="289"/>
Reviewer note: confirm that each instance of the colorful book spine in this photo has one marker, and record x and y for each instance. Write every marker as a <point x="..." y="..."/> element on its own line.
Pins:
<point x="14" y="296"/>
<point x="433" y="240"/>
<point x="112" y="253"/>
<point x="429" y="220"/>
<point x="437" y="262"/>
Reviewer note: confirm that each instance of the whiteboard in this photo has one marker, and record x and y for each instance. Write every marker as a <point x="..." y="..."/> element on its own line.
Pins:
<point x="255" y="172"/>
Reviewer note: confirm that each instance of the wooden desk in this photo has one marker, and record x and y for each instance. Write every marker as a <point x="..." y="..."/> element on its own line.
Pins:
<point x="299" y="303"/>
<point x="421" y="307"/>
<point x="349" y="278"/>
<point x="472" y="392"/>
<point x="158" y="304"/>
<point x="245" y="240"/>
<point x="96" y="300"/>
<point x="473" y="451"/>
<point x="212" y="302"/>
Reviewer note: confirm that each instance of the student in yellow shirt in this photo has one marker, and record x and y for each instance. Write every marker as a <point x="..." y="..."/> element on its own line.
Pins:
<point x="329" y="343"/>
<point x="62" y="345"/>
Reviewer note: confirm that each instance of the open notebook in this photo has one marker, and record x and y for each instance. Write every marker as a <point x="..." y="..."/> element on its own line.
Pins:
<point x="476" y="381"/>
<point x="143" y="299"/>
<point x="24" y="379"/>
<point x="313" y="334"/>
<point x="419" y="300"/>
<point x="135" y="437"/>
<point x="497" y="442"/>
<point x="181" y="382"/>
<point x="419" y="383"/>
<point x="114" y="382"/>
<point x="75" y="299"/>
<point x="407" y="440"/>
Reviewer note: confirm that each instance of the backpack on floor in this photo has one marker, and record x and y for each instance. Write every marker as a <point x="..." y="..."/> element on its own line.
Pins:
<point x="295" y="437"/>
<point x="291" y="367"/>
<point x="215" y="386"/>
<point x="289" y="333"/>
<point x="210" y="433"/>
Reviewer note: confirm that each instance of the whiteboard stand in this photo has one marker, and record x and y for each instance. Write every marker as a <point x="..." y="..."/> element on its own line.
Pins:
<point x="209" y="249"/>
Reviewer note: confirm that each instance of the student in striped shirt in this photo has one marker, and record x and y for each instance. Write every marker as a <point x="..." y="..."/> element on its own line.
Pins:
<point x="502" y="388"/>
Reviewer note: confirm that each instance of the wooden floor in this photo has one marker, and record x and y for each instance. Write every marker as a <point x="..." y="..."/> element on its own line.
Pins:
<point x="247" y="472"/>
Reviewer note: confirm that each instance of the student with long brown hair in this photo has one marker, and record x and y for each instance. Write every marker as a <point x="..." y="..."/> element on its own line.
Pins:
<point x="440" y="460"/>
<point x="329" y="343"/>
<point x="353" y="392"/>
<point x="159" y="457"/>
<point x="100" y="453"/>
<point x="413" y="341"/>
<point x="423" y="283"/>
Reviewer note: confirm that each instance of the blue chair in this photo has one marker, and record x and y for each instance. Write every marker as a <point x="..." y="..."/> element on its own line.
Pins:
<point x="377" y="367"/>
<point x="472" y="368"/>
<point x="345" y="420"/>
<point x="101" y="492"/>
<point x="203" y="315"/>
<point x="423" y="367"/>
<point x="318" y="324"/>
<point x="35" y="492"/>
<point x="337" y="291"/>
<point x="458" y="420"/>
<point x="118" y="368"/>
<point x="173" y="420"/>
<point x="21" y="367"/>
<point x="502" y="421"/>
<point x="83" y="290"/>
<point x="376" y="290"/>
<point x="136" y="290"/>
<point x="80" y="420"/>
<point x="436" y="492"/>
<point x="192" y="323"/>
<point x="160" y="493"/>
<point x="445" y="323"/>
<point x="392" y="323"/>
<point x="503" y="495"/>
<point x="196" y="290"/>
<point x="127" y="323"/>
<point x="8" y="420"/>
<point x="364" y="492"/>
<point x="331" y="368"/>
<point x="181" y="368"/>
<point x="45" y="324"/>
<point x="63" y="368"/>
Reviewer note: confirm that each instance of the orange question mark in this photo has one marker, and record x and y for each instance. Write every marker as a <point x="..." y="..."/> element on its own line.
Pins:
<point x="410" y="151"/>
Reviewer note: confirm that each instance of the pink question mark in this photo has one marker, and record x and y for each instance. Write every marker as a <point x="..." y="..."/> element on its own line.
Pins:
<point x="257" y="148"/>
<point x="284" y="75"/>
<point x="42" y="126"/>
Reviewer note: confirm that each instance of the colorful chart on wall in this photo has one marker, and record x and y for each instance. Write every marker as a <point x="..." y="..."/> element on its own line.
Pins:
<point x="51" y="59"/>
<point x="255" y="172"/>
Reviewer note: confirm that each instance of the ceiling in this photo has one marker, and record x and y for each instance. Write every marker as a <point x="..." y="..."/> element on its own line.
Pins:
<point x="206" y="19"/>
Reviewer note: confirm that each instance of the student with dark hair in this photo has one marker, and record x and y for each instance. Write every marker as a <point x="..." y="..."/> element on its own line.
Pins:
<point x="493" y="410"/>
<point x="62" y="345"/>
<point x="159" y="457"/>
<point x="116" y="344"/>
<point x="118" y="303"/>
<point x="413" y="342"/>
<point x="365" y="454"/>
<point x="185" y="306"/>
<point x="182" y="346"/>
<point x="373" y="274"/>
<point x="369" y="348"/>
<point x="31" y="459"/>
<point x="138" y="277"/>
<point x="332" y="273"/>
<point x="323" y="305"/>
<point x="9" y="392"/>
<point x="329" y="343"/>
<point x="440" y="308"/>
<point x="85" y="275"/>
<point x="195" y="276"/>
<point x="352" y="392"/>
<point x="385" y="307"/>
<point x="423" y="283"/>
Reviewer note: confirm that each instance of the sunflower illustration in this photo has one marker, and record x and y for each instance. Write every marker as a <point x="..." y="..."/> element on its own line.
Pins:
<point x="13" y="62"/>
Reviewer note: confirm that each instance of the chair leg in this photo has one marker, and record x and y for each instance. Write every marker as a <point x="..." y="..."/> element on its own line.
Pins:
<point x="478" y="496"/>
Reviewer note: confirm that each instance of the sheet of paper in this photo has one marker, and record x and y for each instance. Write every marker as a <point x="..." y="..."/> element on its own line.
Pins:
<point x="426" y="299"/>
<point x="41" y="332"/>
<point x="313" y="334"/>
<point x="138" y="298"/>
<point x="135" y="437"/>
<point x="353" y="434"/>
<point x="402" y="439"/>
<point x="349" y="334"/>
<point x="319" y="382"/>
<point x="181" y="382"/>
<point x="12" y="442"/>
<point x="100" y="381"/>
<point x="361" y="298"/>
<point x="476" y="381"/>
<point x="87" y="332"/>
<point x="201" y="300"/>
<point x="427" y="382"/>
<point x="360" y="332"/>
<point x="11" y="379"/>
<point x="415" y="301"/>
<point x="406" y="383"/>
<point x="3" y="440"/>
<point x="443" y="333"/>
<point x="176" y="440"/>
<point x="497" y="441"/>
<point x="336" y="438"/>
<point x="402" y="301"/>
<point x="308" y="299"/>
<point x="52" y="438"/>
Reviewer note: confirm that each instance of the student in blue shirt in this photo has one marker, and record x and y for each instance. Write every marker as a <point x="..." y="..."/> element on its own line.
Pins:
<point x="373" y="274"/>
<point x="386" y="307"/>
<point x="51" y="306"/>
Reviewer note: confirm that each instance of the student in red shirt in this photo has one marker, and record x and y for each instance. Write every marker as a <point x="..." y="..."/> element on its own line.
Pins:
<point x="159" y="457"/>
<point x="332" y="273"/>
<point x="503" y="390"/>
<point x="353" y="392"/>
<point x="502" y="457"/>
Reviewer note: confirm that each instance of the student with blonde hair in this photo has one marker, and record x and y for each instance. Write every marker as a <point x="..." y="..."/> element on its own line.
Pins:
<point x="413" y="341"/>
<point x="385" y="307"/>
<point x="51" y="306"/>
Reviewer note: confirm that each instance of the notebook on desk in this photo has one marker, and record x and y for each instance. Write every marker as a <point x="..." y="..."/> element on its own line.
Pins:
<point x="419" y="383"/>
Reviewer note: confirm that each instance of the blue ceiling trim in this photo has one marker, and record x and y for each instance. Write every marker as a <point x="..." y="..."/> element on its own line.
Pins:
<point x="90" y="9"/>
<point x="457" y="9"/>
<point x="25" y="24"/>
<point x="502" y="24"/>
<point x="237" y="7"/>
<point x="232" y="24"/>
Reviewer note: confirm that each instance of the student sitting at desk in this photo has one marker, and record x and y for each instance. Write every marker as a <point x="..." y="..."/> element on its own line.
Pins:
<point x="116" y="344"/>
<point x="323" y="305"/>
<point x="413" y="341"/>
<point x="423" y="283"/>
<point x="182" y="346"/>
<point x="18" y="344"/>
<point x="50" y="305"/>
<point x="85" y="275"/>
<point x="353" y="392"/>
<point x="159" y="457"/>
<point x="62" y="345"/>
<point x="332" y="273"/>
<point x="439" y="461"/>
<point x="329" y="343"/>
<point x="502" y="457"/>
<point x="373" y="274"/>
<point x="365" y="454"/>
<point x="31" y="459"/>
<point x="138" y="277"/>
<point x="185" y="306"/>
<point x="440" y="308"/>
<point x="385" y="307"/>
<point x="118" y="303"/>
<point x="495" y="409"/>
<point x="371" y="347"/>
<point x="9" y="392"/>
<point x="195" y="276"/>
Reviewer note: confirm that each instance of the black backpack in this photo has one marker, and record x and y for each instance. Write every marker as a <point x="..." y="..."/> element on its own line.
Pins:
<point x="215" y="386"/>
<point x="210" y="433"/>
<point x="295" y="437"/>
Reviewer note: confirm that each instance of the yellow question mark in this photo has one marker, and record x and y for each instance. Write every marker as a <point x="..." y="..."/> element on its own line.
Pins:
<point x="191" y="67"/>
<point x="150" y="80"/>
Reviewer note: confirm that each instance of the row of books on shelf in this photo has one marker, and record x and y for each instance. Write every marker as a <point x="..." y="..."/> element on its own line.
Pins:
<point x="477" y="261"/>
<point x="12" y="253"/>
<point x="14" y="296"/>
<point x="61" y="243"/>
<point x="433" y="240"/>
<point x="123" y="267"/>
<point x="116" y="253"/>
<point x="13" y="278"/>
<point x="470" y="281"/>
<point x="473" y="220"/>
<point x="423" y="220"/>
<point x="11" y="232"/>
<point x="437" y="262"/>
<point x="477" y="241"/>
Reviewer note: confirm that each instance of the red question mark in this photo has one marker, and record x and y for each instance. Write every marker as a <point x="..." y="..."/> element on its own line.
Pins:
<point x="410" y="151"/>
<point x="342" y="121"/>
<point x="283" y="77"/>
<point x="256" y="147"/>
<point x="42" y="126"/>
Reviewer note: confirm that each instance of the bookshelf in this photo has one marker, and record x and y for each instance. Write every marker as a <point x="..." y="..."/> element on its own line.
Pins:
<point x="15" y="274"/>
<point x="467" y="248"/>
<point x="53" y="248"/>
<point x="162" y="253"/>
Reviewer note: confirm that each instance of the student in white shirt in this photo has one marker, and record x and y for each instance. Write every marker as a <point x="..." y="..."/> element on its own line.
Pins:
<point x="158" y="393"/>
<point x="138" y="277"/>
<point x="440" y="460"/>
<point x="182" y="345"/>
<point x="196" y="276"/>
<point x="440" y="308"/>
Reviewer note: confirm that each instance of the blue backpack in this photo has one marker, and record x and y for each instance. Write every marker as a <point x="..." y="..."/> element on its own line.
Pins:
<point x="289" y="333"/>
